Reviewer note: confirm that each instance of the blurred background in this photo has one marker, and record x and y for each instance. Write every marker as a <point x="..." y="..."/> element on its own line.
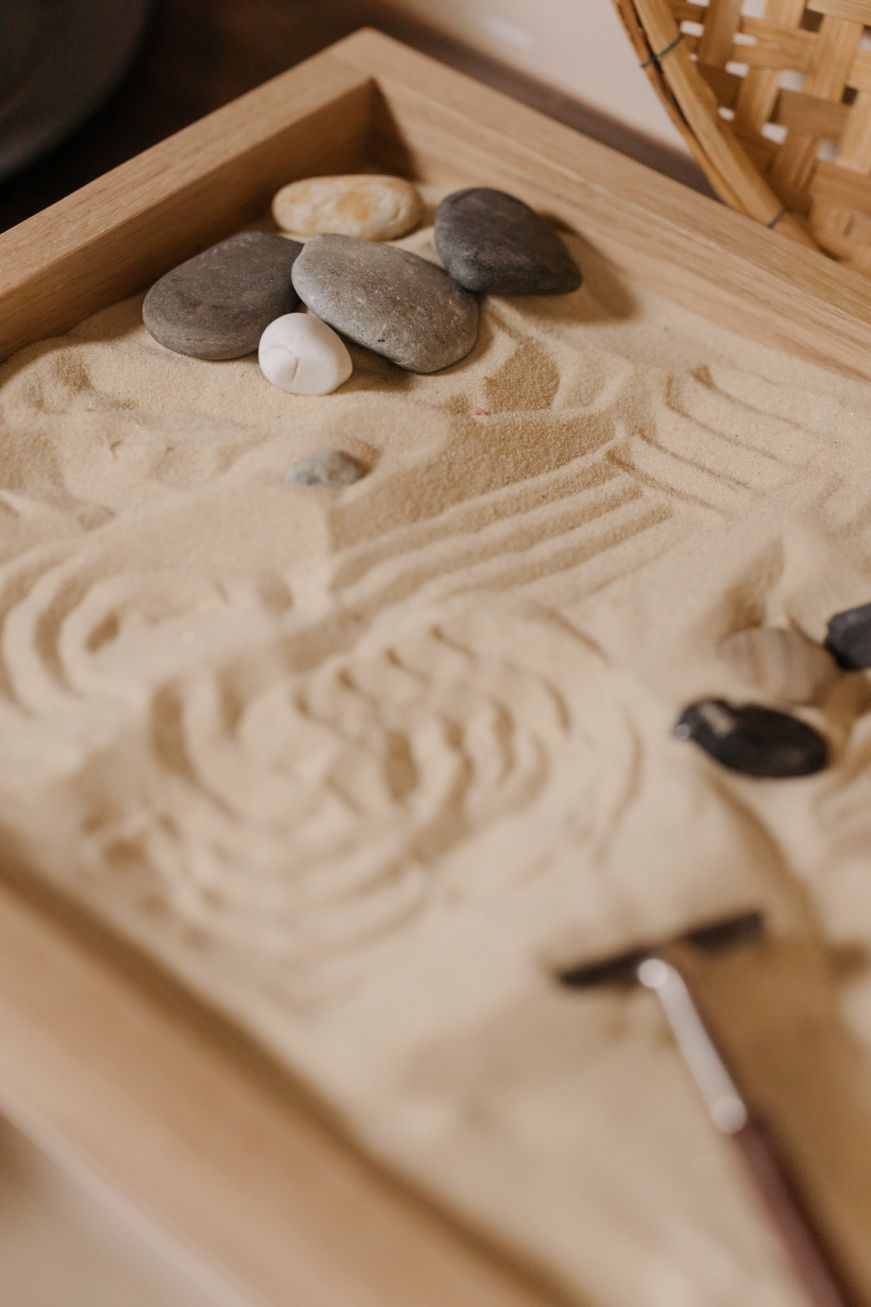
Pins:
<point x="67" y="1242"/>
<point x="85" y="84"/>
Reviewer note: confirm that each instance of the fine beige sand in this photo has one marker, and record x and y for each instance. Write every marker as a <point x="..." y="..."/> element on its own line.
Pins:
<point x="361" y="766"/>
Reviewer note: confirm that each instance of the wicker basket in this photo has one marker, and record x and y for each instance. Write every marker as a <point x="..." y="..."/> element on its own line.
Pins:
<point x="774" y="99"/>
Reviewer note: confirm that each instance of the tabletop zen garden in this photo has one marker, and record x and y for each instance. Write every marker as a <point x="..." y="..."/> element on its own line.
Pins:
<point x="240" y="295"/>
<point x="412" y="618"/>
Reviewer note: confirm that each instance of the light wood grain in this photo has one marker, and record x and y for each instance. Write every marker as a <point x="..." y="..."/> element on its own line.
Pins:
<point x="101" y="1057"/>
<point x="118" y="233"/>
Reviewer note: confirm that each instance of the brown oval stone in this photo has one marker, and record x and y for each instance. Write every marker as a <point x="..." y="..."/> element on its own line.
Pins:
<point x="780" y="662"/>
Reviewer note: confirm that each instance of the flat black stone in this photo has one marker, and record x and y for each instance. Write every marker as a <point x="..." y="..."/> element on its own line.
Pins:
<point x="754" y="740"/>
<point x="849" y="637"/>
<point x="218" y="304"/>
<point x="492" y="243"/>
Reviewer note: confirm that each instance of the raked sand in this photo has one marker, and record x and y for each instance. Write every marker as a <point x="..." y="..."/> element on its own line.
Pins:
<point x="360" y="766"/>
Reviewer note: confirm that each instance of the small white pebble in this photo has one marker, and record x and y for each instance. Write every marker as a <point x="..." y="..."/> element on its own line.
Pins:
<point x="302" y="355"/>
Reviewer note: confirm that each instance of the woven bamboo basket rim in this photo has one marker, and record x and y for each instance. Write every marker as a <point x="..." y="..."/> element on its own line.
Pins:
<point x="773" y="98"/>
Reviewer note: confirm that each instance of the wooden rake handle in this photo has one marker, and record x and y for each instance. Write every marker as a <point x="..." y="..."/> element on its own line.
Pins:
<point x="813" y="1258"/>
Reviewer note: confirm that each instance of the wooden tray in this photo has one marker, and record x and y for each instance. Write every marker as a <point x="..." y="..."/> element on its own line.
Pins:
<point x="99" y="1051"/>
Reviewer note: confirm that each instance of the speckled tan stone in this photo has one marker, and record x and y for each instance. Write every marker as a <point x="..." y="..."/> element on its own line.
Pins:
<point x="373" y="208"/>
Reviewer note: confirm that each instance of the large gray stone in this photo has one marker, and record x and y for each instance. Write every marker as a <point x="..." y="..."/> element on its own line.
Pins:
<point x="217" y="304"/>
<point x="495" y="244"/>
<point x="394" y="302"/>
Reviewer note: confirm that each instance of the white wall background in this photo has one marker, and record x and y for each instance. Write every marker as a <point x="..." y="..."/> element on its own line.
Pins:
<point x="577" y="46"/>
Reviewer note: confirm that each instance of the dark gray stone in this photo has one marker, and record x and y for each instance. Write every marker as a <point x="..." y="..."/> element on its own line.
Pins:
<point x="492" y="243"/>
<point x="218" y="304"/>
<point x="848" y="637"/>
<point x="752" y="739"/>
<point x="326" y="467"/>
<point x="387" y="299"/>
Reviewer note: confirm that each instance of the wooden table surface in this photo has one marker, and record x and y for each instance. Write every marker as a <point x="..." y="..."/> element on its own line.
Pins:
<point x="66" y="1241"/>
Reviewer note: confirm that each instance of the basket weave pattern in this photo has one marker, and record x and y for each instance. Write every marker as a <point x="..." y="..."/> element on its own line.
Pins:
<point x="774" y="98"/>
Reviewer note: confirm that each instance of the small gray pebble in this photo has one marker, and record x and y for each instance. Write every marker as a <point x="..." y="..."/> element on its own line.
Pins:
<point x="217" y="304"/>
<point x="326" y="467"/>
<point x="389" y="300"/>
<point x="493" y="243"/>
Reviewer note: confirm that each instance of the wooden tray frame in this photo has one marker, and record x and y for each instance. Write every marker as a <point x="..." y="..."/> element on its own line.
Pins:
<point x="99" y="1052"/>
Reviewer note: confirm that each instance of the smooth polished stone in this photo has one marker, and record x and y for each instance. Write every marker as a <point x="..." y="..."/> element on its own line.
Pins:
<point x="373" y="208"/>
<point x="848" y="637"/>
<point x="302" y="355"/>
<point x="493" y="243"/>
<point x="218" y="304"/>
<point x="754" y="740"/>
<point x="782" y="663"/>
<point x="389" y="300"/>
<point x="327" y="467"/>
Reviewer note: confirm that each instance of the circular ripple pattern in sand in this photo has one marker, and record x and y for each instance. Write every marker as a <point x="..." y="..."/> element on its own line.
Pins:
<point x="305" y="816"/>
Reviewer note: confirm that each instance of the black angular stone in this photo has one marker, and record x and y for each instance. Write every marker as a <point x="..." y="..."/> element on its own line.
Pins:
<point x="752" y="739"/>
<point x="492" y="243"/>
<point x="848" y="637"/>
<point x="218" y="304"/>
